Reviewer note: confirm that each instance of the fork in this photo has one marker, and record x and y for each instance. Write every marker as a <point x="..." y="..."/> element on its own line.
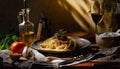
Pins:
<point x="79" y="59"/>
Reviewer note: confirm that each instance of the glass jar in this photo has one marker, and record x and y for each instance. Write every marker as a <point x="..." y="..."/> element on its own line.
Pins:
<point x="26" y="28"/>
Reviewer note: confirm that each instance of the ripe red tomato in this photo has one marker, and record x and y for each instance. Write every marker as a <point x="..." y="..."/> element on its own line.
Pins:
<point x="17" y="47"/>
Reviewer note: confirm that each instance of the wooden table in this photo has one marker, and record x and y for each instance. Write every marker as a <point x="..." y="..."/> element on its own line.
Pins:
<point x="86" y="65"/>
<point x="95" y="65"/>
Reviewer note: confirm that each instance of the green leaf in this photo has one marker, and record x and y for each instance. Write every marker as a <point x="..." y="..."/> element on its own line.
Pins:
<point x="6" y="40"/>
<point x="60" y="32"/>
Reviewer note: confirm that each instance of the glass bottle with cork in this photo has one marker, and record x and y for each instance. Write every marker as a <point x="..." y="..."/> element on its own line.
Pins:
<point x="45" y="29"/>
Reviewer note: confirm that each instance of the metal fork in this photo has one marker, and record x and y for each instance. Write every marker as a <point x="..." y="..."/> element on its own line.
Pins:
<point x="79" y="59"/>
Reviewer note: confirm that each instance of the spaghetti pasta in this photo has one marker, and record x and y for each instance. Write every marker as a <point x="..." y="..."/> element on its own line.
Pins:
<point x="58" y="44"/>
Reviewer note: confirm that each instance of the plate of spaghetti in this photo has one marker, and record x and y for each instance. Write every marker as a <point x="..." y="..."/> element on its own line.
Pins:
<point x="61" y="44"/>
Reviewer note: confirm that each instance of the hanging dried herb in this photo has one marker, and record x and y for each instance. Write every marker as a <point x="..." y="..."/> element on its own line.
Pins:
<point x="109" y="5"/>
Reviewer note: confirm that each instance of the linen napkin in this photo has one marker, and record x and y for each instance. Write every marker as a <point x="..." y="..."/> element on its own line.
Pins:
<point x="4" y="54"/>
<point x="111" y="54"/>
<point x="38" y="60"/>
<point x="34" y="55"/>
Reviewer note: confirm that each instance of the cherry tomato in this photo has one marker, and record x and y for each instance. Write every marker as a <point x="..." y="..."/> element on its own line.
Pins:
<point x="17" y="47"/>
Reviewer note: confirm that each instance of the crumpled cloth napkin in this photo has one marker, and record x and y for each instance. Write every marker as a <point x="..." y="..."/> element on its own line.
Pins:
<point x="34" y="55"/>
<point x="110" y="54"/>
<point x="37" y="60"/>
<point x="4" y="54"/>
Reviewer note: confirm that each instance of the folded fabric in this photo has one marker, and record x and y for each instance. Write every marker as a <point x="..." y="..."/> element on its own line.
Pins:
<point x="38" y="60"/>
<point x="34" y="55"/>
<point x="4" y="54"/>
<point x="111" y="55"/>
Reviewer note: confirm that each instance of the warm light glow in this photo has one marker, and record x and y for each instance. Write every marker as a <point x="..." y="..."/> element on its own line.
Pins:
<point x="79" y="9"/>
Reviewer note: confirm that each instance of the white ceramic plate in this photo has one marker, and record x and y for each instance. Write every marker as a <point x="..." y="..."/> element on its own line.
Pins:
<point x="86" y="43"/>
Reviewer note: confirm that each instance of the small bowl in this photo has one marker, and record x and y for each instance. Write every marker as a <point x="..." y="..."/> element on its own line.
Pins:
<point x="15" y="56"/>
<point x="109" y="39"/>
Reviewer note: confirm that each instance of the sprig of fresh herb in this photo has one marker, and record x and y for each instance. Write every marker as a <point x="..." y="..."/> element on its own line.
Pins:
<point x="6" y="40"/>
<point x="60" y="32"/>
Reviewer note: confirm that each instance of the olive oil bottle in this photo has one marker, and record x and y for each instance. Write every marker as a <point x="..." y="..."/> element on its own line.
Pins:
<point x="26" y="28"/>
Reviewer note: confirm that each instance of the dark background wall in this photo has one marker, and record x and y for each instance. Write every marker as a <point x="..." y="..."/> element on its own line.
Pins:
<point x="8" y="12"/>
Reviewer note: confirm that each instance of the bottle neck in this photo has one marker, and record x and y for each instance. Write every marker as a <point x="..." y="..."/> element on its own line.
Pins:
<point x="23" y="18"/>
<point x="26" y="15"/>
